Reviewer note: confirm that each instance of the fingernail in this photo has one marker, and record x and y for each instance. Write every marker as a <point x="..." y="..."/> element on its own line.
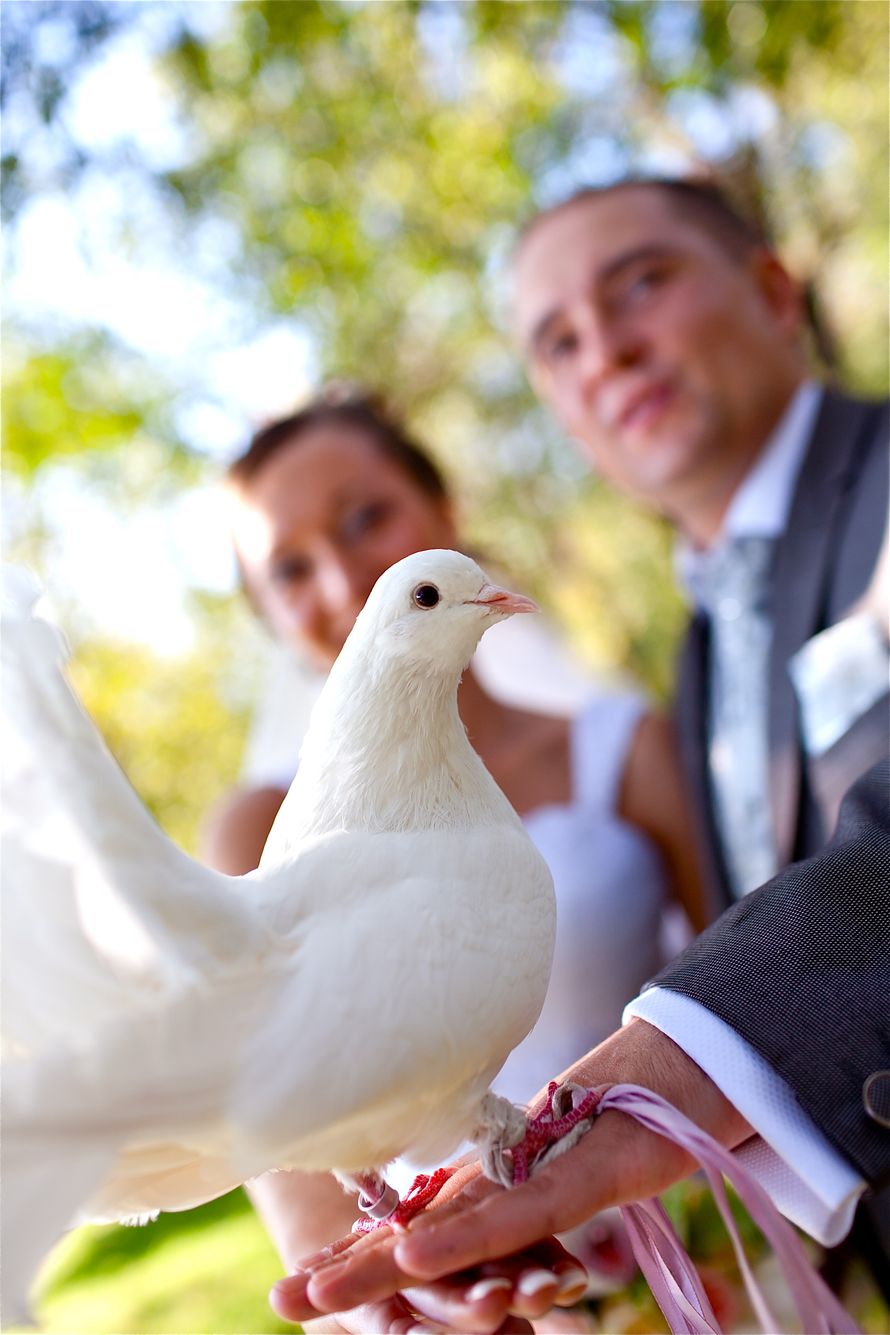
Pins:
<point x="485" y="1287"/>
<point x="572" y="1280"/>
<point x="292" y="1283"/>
<point x="286" y="1298"/>
<point x="533" y="1281"/>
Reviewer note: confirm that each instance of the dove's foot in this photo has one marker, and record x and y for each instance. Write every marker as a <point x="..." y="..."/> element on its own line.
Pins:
<point x="376" y="1198"/>
<point x="513" y="1148"/>
<point x="423" y="1189"/>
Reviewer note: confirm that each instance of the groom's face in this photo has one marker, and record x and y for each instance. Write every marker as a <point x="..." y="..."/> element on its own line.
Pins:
<point x="665" y="354"/>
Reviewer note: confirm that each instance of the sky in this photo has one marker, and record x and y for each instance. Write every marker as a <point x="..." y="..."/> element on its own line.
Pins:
<point x="65" y="269"/>
<point x="68" y="268"/>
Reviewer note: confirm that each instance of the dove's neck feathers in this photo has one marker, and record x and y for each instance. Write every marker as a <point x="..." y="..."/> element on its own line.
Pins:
<point x="389" y="751"/>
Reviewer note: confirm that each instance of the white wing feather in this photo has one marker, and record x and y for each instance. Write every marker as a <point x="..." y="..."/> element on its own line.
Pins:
<point x="146" y="899"/>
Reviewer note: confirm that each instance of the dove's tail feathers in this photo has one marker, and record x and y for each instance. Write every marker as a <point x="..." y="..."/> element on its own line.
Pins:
<point x="59" y="770"/>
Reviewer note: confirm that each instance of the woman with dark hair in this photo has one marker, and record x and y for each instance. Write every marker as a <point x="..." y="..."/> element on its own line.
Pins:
<point x="324" y="502"/>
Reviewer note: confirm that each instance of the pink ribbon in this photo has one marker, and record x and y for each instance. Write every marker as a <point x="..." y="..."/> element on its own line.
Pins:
<point x="666" y="1265"/>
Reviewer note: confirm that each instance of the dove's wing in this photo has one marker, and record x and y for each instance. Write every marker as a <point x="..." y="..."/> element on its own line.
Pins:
<point x="405" y="968"/>
<point x="143" y="902"/>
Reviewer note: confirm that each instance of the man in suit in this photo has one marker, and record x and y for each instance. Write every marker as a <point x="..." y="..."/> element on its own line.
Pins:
<point x="669" y="341"/>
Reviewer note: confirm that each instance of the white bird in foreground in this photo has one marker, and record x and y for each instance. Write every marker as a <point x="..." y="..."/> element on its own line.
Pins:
<point x="170" y="1032"/>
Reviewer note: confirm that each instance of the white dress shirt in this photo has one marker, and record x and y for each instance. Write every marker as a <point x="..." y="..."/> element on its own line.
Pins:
<point x="762" y="502"/>
<point x="731" y="581"/>
<point x="806" y="1178"/>
<point x="842" y="671"/>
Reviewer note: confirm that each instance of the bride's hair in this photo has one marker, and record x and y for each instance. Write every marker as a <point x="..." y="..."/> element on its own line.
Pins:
<point x="357" y="409"/>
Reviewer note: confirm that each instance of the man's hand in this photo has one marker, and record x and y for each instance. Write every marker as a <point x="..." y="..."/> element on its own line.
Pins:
<point x="502" y="1296"/>
<point x="477" y="1234"/>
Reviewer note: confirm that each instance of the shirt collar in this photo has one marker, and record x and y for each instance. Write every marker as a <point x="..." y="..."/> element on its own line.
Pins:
<point x="762" y="502"/>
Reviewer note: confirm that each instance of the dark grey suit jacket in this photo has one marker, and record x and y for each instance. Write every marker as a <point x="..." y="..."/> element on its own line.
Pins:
<point x="801" y="970"/>
<point x="824" y="562"/>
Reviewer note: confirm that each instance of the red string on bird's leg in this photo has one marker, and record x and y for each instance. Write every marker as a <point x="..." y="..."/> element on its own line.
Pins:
<point x="664" y="1261"/>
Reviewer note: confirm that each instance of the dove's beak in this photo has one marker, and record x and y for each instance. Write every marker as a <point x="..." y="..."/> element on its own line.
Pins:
<point x="500" y="600"/>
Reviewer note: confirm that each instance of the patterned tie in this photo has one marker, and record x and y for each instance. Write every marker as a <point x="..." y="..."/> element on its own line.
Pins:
<point x="732" y="584"/>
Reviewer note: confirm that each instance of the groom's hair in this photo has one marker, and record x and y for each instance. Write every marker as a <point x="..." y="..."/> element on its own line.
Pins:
<point x="700" y="200"/>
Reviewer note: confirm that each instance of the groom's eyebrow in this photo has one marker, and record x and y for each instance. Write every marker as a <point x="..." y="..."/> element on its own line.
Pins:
<point x="605" y="274"/>
<point x="629" y="258"/>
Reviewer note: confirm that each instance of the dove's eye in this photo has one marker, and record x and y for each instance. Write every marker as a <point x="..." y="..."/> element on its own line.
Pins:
<point x="426" y="595"/>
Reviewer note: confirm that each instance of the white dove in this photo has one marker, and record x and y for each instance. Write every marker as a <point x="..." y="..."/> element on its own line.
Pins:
<point x="170" y="1032"/>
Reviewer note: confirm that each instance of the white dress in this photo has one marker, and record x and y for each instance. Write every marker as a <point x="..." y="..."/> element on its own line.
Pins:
<point x="610" y="896"/>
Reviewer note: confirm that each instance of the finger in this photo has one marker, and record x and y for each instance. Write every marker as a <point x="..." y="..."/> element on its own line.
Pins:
<point x="614" y="1162"/>
<point x="335" y="1248"/>
<point x="478" y="1304"/>
<point x="529" y="1285"/>
<point x="363" y="1268"/>
<point x="533" y="1283"/>
<point x="289" y="1296"/>
<point x="498" y="1225"/>
<point x="391" y="1317"/>
<point x="324" y="1325"/>
<point x="323" y="1283"/>
<point x="481" y="1223"/>
<point x="359" y="1275"/>
<point x="543" y="1276"/>
<point x="568" y="1279"/>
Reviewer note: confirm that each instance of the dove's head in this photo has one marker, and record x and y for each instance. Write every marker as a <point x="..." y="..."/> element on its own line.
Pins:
<point x="431" y="609"/>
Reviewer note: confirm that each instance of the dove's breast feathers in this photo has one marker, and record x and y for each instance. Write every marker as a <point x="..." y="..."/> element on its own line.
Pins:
<point x="454" y="978"/>
<point x="385" y="757"/>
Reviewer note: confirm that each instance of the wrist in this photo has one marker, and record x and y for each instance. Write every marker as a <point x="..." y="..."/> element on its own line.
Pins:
<point x="640" y="1054"/>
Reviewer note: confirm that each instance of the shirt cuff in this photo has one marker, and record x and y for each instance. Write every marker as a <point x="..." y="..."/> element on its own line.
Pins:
<point x="804" y="1175"/>
<point x="837" y="676"/>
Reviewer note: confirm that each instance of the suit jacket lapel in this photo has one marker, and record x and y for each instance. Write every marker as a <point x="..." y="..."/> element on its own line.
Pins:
<point x="803" y="563"/>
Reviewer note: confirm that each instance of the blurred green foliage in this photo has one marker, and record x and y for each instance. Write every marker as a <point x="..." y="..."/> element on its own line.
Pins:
<point x="169" y="725"/>
<point x="87" y="401"/>
<point x="366" y="166"/>
<point x="373" y="161"/>
<point x="207" y="1270"/>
